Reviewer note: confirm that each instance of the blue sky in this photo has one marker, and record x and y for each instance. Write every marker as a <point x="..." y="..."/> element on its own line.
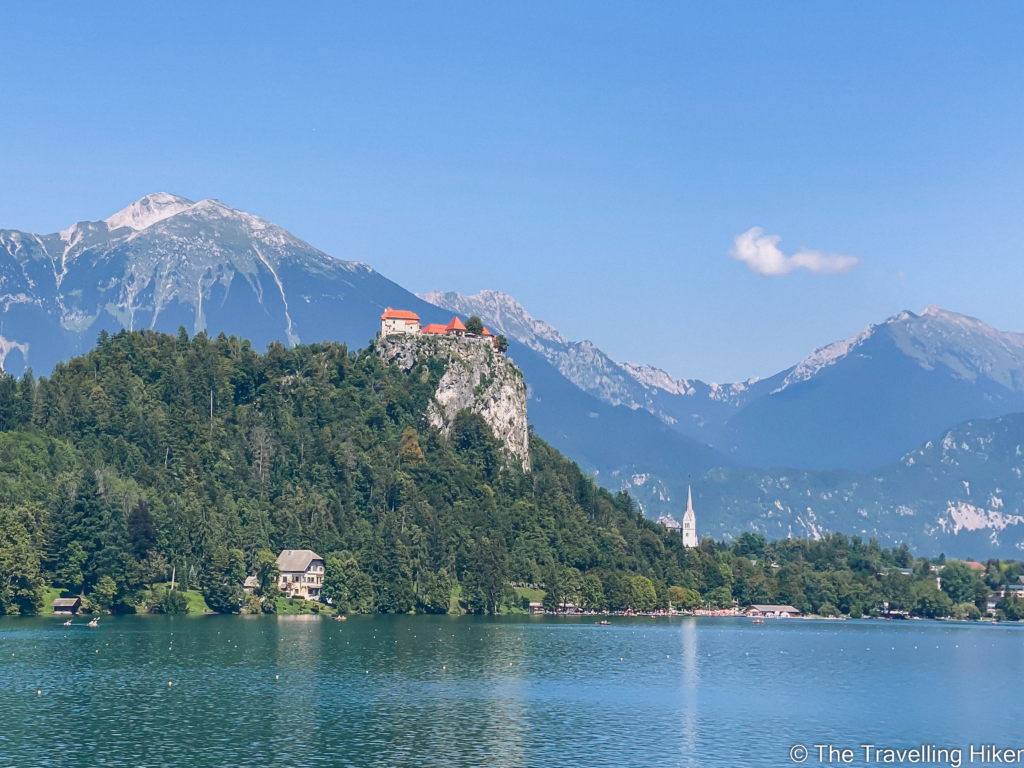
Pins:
<point x="594" y="160"/>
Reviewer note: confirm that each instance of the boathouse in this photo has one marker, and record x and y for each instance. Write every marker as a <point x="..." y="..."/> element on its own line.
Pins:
<point x="67" y="605"/>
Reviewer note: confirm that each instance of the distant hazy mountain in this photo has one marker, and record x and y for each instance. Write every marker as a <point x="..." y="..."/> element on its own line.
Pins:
<point x="165" y="262"/>
<point x="867" y="400"/>
<point x="961" y="493"/>
<point x="856" y="404"/>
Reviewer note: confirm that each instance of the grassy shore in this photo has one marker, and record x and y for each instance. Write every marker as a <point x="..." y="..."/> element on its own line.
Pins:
<point x="533" y="595"/>
<point x="51" y="594"/>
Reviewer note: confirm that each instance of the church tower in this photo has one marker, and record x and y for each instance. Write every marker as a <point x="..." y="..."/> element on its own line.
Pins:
<point x="690" y="522"/>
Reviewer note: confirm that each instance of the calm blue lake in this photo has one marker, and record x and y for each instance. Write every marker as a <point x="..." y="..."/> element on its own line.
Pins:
<point x="518" y="691"/>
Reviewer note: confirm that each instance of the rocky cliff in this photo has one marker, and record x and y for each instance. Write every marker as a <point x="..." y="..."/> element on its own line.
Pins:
<point x="476" y="378"/>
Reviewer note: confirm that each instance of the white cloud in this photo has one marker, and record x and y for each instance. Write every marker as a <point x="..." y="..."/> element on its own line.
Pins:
<point x="761" y="254"/>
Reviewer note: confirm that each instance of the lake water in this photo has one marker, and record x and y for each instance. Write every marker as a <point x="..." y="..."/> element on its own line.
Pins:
<point x="517" y="691"/>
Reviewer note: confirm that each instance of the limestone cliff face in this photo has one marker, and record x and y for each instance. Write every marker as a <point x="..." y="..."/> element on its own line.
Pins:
<point x="476" y="378"/>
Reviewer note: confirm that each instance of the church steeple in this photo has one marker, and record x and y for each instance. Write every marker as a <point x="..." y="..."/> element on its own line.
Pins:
<point x="690" y="522"/>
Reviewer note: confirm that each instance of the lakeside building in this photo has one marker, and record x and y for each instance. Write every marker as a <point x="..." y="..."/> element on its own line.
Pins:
<point x="1010" y="590"/>
<point x="67" y="605"/>
<point x="690" y="539"/>
<point x="302" y="573"/>
<point x="772" y="611"/>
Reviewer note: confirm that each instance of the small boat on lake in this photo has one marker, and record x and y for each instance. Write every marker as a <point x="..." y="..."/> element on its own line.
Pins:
<point x="68" y="623"/>
<point x="341" y="618"/>
<point x="759" y="621"/>
<point x="95" y="622"/>
<point x="605" y="623"/>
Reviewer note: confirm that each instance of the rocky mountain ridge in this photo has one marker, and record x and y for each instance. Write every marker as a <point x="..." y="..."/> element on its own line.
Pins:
<point x="909" y="376"/>
<point x="162" y="262"/>
<point x="632" y="385"/>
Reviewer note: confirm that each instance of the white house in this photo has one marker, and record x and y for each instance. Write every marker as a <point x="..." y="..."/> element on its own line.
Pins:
<point x="302" y="573"/>
<point x="690" y="538"/>
<point x="399" y="321"/>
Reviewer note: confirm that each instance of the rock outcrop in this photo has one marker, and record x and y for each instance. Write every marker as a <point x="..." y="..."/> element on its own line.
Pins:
<point x="476" y="378"/>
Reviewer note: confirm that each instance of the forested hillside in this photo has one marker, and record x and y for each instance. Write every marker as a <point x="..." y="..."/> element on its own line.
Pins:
<point x="155" y="452"/>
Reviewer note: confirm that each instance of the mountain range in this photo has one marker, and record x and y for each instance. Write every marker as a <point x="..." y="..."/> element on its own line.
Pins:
<point x="844" y="422"/>
<point x="165" y="262"/>
<point x="961" y="492"/>
<point x="855" y="404"/>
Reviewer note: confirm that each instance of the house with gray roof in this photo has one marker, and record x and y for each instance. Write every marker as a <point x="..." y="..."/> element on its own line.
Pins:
<point x="68" y="605"/>
<point x="302" y="573"/>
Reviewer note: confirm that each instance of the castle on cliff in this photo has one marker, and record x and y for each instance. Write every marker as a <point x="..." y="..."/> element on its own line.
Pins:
<point x="395" y="322"/>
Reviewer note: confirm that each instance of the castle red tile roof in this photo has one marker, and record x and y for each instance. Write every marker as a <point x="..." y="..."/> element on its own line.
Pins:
<point x="456" y="325"/>
<point x="399" y="314"/>
<point x="434" y="328"/>
<point x="486" y="332"/>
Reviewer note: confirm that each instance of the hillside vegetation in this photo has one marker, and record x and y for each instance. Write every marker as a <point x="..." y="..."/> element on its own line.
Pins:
<point x="157" y="453"/>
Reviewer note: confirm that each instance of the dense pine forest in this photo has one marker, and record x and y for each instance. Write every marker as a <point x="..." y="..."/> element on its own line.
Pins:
<point x="155" y="455"/>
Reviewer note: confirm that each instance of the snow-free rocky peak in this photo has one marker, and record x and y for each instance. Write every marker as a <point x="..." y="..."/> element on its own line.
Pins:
<point x="937" y="339"/>
<point x="165" y="262"/>
<point x="148" y="211"/>
<point x="680" y="402"/>
<point x="502" y="313"/>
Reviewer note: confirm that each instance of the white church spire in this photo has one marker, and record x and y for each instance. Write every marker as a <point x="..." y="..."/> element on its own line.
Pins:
<point x="690" y="522"/>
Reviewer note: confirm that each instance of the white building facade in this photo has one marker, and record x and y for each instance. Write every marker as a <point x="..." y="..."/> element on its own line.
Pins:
<point x="399" y="321"/>
<point x="302" y="573"/>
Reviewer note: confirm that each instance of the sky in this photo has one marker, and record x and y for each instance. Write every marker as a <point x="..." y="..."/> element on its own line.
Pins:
<point x="714" y="189"/>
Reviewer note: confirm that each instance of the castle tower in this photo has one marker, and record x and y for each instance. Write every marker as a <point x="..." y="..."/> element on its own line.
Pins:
<point x="690" y="522"/>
